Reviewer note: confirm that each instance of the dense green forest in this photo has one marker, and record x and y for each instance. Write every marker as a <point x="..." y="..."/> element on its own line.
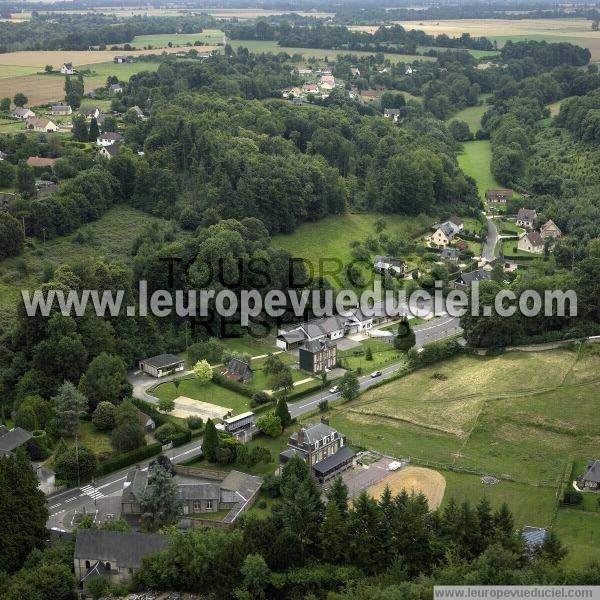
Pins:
<point x="79" y="32"/>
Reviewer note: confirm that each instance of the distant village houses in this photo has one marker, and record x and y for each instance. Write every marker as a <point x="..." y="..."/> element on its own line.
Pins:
<point x="60" y="110"/>
<point x="67" y="69"/>
<point x="22" y="113"/>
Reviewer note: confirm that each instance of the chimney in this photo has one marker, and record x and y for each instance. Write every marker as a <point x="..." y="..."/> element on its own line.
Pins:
<point x="302" y="436"/>
<point x="325" y="420"/>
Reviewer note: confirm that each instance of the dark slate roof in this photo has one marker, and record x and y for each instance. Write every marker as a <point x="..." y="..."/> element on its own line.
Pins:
<point x="162" y="360"/>
<point x="239" y="368"/>
<point x="199" y="491"/>
<point x="296" y="335"/>
<point x="113" y="149"/>
<point x="449" y="253"/>
<point x="535" y="238"/>
<point x="315" y="346"/>
<point x="479" y="275"/>
<point x="526" y="214"/>
<point x="592" y="472"/>
<point x="456" y="220"/>
<point x="534" y="536"/>
<point x="125" y="549"/>
<point x="314" y="433"/>
<point x="14" y="438"/>
<point x="135" y="485"/>
<point x="331" y="462"/>
<point x="111" y="136"/>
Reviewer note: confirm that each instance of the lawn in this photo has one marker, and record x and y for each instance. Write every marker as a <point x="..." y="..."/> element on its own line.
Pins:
<point x="107" y="238"/>
<point x="475" y="161"/>
<point x="510" y="248"/>
<point x="466" y="412"/>
<point x="472" y="114"/>
<point x="208" y="392"/>
<point x="274" y="445"/>
<point x="383" y="353"/>
<point x="530" y="505"/>
<point x="328" y="240"/>
<point x="100" y="71"/>
<point x="508" y="228"/>
<point x="249" y="345"/>
<point x="580" y="532"/>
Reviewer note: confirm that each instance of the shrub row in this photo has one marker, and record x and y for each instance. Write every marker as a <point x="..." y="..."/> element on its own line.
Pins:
<point x="128" y="458"/>
<point x="150" y="410"/>
<point x="234" y="386"/>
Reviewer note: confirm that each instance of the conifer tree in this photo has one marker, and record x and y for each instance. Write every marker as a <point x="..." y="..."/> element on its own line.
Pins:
<point x="210" y="443"/>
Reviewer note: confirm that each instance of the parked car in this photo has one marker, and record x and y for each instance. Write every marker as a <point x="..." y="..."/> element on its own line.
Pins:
<point x="394" y="465"/>
<point x="334" y="390"/>
<point x="375" y="374"/>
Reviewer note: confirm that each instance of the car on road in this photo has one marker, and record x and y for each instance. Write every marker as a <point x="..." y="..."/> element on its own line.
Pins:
<point x="334" y="390"/>
<point x="375" y="374"/>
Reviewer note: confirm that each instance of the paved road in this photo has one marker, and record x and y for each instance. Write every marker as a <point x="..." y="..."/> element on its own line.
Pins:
<point x="490" y="243"/>
<point x="426" y="333"/>
<point x="62" y="505"/>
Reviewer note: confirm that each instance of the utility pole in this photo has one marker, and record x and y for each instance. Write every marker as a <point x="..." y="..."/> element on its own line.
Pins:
<point x="77" y="459"/>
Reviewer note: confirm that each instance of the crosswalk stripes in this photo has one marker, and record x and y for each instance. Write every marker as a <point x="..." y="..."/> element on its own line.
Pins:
<point x="92" y="492"/>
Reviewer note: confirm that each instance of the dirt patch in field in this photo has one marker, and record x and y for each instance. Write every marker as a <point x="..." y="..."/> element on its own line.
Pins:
<point x="188" y="407"/>
<point x="431" y="484"/>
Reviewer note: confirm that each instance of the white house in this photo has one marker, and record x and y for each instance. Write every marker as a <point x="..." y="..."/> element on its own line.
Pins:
<point x="108" y="138"/>
<point x="526" y="218"/>
<point x="22" y="113"/>
<point x="531" y="242"/>
<point x="443" y="234"/>
<point x="42" y="125"/>
<point x="409" y="70"/>
<point x="67" y="69"/>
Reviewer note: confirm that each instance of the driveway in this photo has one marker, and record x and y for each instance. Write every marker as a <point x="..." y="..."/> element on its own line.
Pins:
<point x="490" y="243"/>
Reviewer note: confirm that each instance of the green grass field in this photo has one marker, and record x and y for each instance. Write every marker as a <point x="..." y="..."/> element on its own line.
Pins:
<point x="100" y="71"/>
<point x="208" y="392"/>
<point x="510" y="248"/>
<point x="521" y="416"/>
<point x="474" y="53"/>
<point x="472" y="114"/>
<point x="329" y="239"/>
<point x="475" y="161"/>
<point x="109" y="237"/>
<point x="383" y="354"/>
<point x="580" y="532"/>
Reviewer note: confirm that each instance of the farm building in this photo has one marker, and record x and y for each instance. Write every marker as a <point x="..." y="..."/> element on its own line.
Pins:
<point x="61" y="110"/>
<point x="162" y="365"/>
<point x="22" y="113"/>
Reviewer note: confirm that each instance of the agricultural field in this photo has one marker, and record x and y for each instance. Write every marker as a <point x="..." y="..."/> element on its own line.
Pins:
<point x="475" y="160"/>
<point x="207" y="36"/>
<point x="465" y="414"/>
<point x="577" y="31"/>
<point x="258" y="46"/>
<point x="109" y="237"/>
<point x="100" y="71"/>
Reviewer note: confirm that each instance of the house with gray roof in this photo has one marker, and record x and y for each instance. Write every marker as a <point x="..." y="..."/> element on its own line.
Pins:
<point x="465" y="280"/>
<point x="114" y="555"/>
<point x="332" y="328"/>
<point x="197" y="493"/>
<point x="317" y="356"/>
<point x="238" y="370"/>
<point x="526" y="218"/>
<point x="444" y="233"/>
<point x="389" y="265"/>
<point x="11" y="439"/>
<point x="162" y="365"/>
<point x="450" y="254"/>
<point x="322" y="448"/>
<point x="591" y="476"/>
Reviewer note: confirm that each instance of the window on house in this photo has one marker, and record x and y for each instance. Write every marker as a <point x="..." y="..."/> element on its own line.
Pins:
<point x="209" y="504"/>
<point x="107" y="565"/>
<point x="197" y="505"/>
<point x="87" y="564"/>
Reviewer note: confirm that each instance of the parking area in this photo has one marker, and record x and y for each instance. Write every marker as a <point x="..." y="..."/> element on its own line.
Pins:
<point x="362" y="477"/>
